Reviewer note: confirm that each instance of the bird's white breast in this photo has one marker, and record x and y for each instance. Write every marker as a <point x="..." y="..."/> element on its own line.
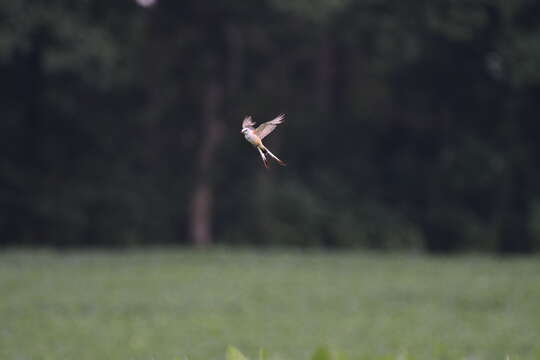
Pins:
<point x="250" y="136"/>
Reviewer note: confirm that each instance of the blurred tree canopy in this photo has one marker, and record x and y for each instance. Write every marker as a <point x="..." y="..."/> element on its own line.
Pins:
<point x="410" y="124"/>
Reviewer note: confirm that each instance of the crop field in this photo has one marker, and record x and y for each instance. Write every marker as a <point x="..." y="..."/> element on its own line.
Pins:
<point x="166" y="304"/>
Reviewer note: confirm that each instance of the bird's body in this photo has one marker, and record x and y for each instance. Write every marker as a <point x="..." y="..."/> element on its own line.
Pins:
<point x="253" y="139"/>
<point x="255" y="136"/>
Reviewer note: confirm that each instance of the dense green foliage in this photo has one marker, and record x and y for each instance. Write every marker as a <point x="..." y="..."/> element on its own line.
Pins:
<point x="166" y="305"/>
<point x="410" y="124"/>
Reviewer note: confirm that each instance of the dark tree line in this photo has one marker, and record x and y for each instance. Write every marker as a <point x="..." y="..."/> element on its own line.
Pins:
<point x="409" y="124"/>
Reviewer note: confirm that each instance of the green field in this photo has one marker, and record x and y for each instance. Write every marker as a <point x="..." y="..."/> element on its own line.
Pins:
<point x="173" y="304"/>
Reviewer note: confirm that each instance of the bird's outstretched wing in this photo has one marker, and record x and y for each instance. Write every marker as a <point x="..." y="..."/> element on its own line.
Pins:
<point x="248" y="122"/>
<point x="266" y="128"/>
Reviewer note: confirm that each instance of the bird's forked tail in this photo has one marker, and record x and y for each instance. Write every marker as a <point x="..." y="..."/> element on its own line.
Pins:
<point x="263" y="157"/>
<point x="278" y="160"/>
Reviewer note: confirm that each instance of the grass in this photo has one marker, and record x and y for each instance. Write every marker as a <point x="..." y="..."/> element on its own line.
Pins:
<point x="173" y="304"/>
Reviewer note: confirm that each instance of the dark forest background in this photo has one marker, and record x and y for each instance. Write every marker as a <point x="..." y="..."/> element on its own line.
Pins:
<point x="410" y="124"/>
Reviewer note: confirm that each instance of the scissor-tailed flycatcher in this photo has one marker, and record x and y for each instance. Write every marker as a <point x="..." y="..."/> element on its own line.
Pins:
<point x="255" y="136"/>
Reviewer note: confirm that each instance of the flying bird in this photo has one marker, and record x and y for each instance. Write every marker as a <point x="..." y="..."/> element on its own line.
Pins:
<point x="255" y="136"/>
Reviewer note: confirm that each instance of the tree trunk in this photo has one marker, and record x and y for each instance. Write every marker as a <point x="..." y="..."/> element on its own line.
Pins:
<point x="200" y="226"/>
<point x="201" y="215"/>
